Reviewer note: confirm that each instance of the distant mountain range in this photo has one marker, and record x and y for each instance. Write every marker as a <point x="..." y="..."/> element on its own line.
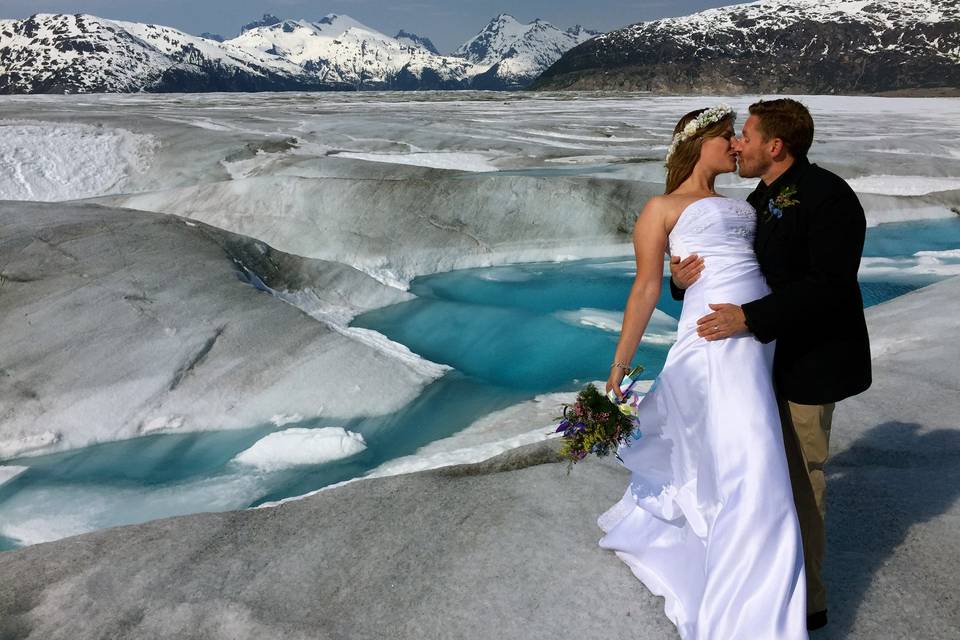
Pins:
<point x="55" y="53"/>
<point x="514" y="54"/>
<point x="778" y="46"/>
<point x="774" y="46"/>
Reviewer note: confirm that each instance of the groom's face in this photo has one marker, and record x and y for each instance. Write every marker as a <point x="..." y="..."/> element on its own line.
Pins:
<point x="752" y="151"/>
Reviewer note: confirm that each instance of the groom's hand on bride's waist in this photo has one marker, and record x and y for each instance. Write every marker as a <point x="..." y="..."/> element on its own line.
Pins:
<point x="725" y="321"/>
<point x="685" y="272"/>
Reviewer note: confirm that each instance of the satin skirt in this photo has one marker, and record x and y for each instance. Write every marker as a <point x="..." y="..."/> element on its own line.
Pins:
<point x="708" y="520"/>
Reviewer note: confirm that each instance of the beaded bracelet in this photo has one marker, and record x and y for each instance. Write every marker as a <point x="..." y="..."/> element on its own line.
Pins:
<point x="623" y="366"/>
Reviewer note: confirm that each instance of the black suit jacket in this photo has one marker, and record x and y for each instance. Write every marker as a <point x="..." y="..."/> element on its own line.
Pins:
<point x="809" y="253"/>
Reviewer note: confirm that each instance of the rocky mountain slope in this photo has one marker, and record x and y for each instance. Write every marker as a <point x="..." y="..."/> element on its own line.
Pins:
<point x="414" y="39"/>
<point x="788" y="46"/>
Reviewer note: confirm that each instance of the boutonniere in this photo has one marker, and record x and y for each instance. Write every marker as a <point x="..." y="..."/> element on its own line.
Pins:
<point x="784" y="199"/>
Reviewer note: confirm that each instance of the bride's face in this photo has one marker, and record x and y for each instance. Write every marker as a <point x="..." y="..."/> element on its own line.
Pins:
<point x="719" y="154"/>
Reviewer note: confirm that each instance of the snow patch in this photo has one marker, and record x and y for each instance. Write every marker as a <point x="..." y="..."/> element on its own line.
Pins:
<point x="940" y="264"/>
<point x="662" y="328"/>
<point x="487" y="437"/>
<point x="298" y="446"/>
<point x="14" y="447"/>
<point x="459" y="161"/>
<point x="161" y="423"/>
<point x="9" y="472"/>
<point x="51" y="161"/>
<point x="903" y="185"/>
<point x="394" y="350"/>
<point x="282" y="419"/>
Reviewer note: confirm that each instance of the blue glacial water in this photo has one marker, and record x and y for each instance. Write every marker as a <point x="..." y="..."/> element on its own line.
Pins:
<point x="505" y="330"/>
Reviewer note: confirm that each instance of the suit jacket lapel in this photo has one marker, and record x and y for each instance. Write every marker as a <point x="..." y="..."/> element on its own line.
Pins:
<point x="759" y="201"/>
<point x="766" y="222"/>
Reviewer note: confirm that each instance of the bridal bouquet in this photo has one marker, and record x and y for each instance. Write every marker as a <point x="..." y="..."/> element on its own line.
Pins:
<point x="596" y="424"/>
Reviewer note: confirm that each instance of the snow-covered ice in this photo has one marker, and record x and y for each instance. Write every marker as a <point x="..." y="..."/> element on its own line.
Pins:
<point x="13" y="444"/>
<point x="904" y="185"/>
<point x="892" y="568"/>
<point x="334" y="176"/>
<point x="63" y="161"/>
<point x="282" y="419"/>
<point x="338" y="201"/>
<point x="661" y="329"/>
<point x="436" y="159"/>
<point x="170" y="332"/>
<point x="294" y="170"/>
<point x="485" y="438"/>
<point x="941" y="264"/>
<point x="296" y="446"/>
<point x="9" y="472"/>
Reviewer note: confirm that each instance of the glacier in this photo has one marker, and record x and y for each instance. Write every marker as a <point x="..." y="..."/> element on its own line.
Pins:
<point x="198" y="260"/>
<point x="496" y="548"/>
<point x="121" y="323"/>
<point x="492" y="179"/>
<point x="349" y="197"/>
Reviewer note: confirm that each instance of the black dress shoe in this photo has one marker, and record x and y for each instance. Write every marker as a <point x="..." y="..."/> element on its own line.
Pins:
<point x="817" y="620"/>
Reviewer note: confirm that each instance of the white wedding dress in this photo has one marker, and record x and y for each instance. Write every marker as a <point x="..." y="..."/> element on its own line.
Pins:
<point x="708" y="519"/>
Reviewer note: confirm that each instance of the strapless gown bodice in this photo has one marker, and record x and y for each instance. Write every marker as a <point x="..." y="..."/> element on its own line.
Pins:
<point x="721" y="231"/>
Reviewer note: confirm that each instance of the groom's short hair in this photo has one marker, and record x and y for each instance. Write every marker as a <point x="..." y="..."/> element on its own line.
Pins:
<point x="788" y="120"/>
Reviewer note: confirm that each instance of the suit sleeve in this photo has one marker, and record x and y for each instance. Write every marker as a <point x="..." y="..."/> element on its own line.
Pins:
<point x="676" y="291"/>
<point x="835" y="241"/>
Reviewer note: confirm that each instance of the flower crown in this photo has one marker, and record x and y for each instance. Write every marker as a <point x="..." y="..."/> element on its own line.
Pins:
<point x="708" y="117"/>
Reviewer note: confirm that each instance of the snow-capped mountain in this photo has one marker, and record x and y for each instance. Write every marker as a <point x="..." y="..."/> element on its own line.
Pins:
<point x="54" y="53"/>
<point x="79" y="53"/>
<point x="790" y="46"/>
<point x="341" y="51"/>
<point x="413" y="39"/>
<point x="49" y="53"/>
<point x="513" y="53"/>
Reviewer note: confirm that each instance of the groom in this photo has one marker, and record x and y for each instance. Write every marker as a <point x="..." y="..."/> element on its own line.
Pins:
<point x="810" y="233"/>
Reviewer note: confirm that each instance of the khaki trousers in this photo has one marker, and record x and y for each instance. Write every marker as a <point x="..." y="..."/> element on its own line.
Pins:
<point x="806" y="438"/>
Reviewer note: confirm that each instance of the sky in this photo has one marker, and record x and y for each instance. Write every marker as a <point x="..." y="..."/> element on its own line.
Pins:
<point x="448" y="23"/>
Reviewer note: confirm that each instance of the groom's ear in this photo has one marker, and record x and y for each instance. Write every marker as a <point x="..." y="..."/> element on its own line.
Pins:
<point x="778" y="150"/>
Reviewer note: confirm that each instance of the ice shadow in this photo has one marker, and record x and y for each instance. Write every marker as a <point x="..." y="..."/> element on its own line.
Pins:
<point x="886" y="482"/>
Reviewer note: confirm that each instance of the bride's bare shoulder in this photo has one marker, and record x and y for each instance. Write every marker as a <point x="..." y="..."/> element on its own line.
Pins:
<point x="658" y="216"/>
<point x="670" y="203"/>
<point x="658" y="206"/>
<point x="667" y="208"/>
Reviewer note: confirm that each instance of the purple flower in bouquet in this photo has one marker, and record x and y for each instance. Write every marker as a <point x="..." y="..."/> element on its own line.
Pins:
<point x="594" y="424"/>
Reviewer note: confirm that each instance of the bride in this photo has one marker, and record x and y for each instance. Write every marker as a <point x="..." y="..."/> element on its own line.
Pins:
<point x="708" y="518"/>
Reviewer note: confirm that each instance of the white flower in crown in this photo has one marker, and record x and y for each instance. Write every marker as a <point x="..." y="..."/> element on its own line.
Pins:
<point x="705" y="119"/>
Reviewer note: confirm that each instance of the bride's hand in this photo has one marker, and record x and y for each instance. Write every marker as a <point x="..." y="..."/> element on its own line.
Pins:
<point x="613" y="382"/>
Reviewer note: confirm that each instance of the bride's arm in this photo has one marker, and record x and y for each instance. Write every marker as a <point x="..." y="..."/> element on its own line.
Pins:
<point x="649" y="243"/>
